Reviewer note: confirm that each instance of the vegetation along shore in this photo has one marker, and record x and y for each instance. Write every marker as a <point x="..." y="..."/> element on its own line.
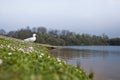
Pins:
<point x="62" y="37"/>
<point x="21" y="60"/>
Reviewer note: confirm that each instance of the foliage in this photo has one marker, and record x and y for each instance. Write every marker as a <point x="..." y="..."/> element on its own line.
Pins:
<point x="2" y="32"/>
<point x="64" y="37"/>
<point x="114" y="41"/>
<point x="21" y="60"/>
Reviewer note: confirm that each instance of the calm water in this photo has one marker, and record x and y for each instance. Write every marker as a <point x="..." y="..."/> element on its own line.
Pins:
<point x="103" y="61"/>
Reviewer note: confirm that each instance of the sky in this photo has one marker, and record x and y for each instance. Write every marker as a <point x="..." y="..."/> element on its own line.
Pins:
<point x="80" y="16"/>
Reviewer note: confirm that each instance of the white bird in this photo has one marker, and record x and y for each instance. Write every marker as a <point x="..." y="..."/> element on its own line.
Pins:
<point x="31" y="39"/>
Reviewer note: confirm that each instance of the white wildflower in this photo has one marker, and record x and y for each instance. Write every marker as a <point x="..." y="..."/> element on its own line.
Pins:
<point x="21" y="49"/>
<point x="58" y="59"/>
<point x="1" y="61"/>
<point x="48" y="56"/>
<point x="31" y="48"/>
<point x="60" y="63"/>
<point x="40" y="56"/>
<point x="26" y="52"/>
<point x="1" y="46"/>
<point x="9" y="53"/>
<point x="8" y="46"/>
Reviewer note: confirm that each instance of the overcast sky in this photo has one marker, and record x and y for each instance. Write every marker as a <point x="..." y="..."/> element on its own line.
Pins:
<point x="80" y="16"/>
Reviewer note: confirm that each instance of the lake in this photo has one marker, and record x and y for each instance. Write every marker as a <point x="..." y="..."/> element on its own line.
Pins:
<point x="103" y="61"/>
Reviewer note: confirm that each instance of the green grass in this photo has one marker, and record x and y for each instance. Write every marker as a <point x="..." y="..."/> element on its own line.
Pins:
<point x="20" y="60"/>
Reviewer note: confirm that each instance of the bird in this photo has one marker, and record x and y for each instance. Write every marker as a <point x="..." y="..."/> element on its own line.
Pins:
<point x="31" y="39"/>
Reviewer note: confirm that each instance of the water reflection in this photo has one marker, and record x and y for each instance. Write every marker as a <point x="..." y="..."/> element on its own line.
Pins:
<point x="67" y="53"/>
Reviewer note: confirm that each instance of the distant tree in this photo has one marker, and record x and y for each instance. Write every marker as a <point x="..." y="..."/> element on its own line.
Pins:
<point x="105" y="39"/>
<point x="11" y="34"/>
<point x="23" y="33"/>
<point x="41" y="30"/>
<point x="53" y="33"/>
<point x="114" y="41"/>
<point x="34" y="29"/>
<point x="28" y="28"/>
<point x="2" y="32"/>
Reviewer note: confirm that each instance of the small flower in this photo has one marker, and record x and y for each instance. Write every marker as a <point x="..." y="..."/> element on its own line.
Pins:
<point x="40" y="56"/>
<point x="31" y="48"/>
<point x="60" y="63"/>
<point x="9" y="53"/>
<point x="58" y="59"/>
<point x="1" y="61"/>
<point x="8" y="46"/>
<point x="48" y="56"/>
<point x="1" y="46"/>
<point x="20" y="49"/>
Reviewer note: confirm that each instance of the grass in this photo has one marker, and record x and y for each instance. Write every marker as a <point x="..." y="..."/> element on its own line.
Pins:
<point x="21" y="60"/>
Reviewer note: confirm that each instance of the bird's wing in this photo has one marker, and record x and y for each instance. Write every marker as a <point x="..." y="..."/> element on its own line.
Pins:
<point x="28" y="39"/>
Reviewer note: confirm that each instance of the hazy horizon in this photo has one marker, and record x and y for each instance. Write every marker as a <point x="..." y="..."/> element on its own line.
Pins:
<point x="79" y="16"/>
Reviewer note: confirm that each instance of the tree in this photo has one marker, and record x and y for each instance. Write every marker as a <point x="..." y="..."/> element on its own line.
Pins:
<point x="11" y="34"/>
<point x="114" y="41"/>
<point x="2" y="32"/>
<point x="53" y="33"/>
<point x="41" y="30"/>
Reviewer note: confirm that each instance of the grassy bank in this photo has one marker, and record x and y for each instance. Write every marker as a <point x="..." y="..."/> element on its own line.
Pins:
<point x="31" y="61"/>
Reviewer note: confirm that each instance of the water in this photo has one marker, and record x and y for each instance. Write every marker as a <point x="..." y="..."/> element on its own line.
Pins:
<point x="103" y="61"/>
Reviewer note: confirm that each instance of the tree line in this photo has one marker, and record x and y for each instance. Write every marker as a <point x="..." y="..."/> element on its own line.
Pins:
<point x="61" y="37"/>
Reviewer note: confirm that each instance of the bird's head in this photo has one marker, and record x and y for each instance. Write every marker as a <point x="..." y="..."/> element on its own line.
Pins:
<point x="34" y="35"/>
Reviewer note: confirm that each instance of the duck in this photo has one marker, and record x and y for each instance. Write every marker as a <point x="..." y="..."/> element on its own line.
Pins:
<point x="31" y="39"/>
